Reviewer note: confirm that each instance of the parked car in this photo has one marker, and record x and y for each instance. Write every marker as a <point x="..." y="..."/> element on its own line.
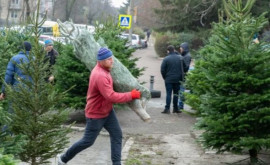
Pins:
<point x="144" y="44"/>
<point x="135" y="42"/>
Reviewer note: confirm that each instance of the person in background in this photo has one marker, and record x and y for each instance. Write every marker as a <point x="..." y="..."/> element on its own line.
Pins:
<point x="184" y="51"/>
<point x="172" y="71"/>
<point x="14" y="70"/>
<point x="148" y="33"/>
<point x="51" y="55"/>
<point x="99" y="110"/>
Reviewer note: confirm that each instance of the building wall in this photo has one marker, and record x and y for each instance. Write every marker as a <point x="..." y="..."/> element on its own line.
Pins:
<point x="17" y="10"/>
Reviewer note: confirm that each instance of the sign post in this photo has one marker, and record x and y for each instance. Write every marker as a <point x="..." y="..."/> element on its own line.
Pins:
<point x="125" y="21"/>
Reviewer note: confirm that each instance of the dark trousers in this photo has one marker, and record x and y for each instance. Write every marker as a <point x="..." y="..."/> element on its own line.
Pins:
<point x="93" y="127"/>
<point x="181" y="98"/>
<point x="172" y="88"/>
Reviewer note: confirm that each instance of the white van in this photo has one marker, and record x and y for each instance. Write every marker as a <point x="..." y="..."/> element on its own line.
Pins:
<point x="50" y="28"/>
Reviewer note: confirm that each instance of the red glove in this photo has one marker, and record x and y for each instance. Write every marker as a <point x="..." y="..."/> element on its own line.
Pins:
<point x="135" y="94"/>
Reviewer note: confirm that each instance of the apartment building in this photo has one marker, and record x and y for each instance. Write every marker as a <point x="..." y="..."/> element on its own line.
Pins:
<point x="14" y="11"/>
<point x="10" y="10"/>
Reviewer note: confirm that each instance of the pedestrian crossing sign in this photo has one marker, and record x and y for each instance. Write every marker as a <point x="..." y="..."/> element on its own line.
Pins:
<point x="125" y="21"/>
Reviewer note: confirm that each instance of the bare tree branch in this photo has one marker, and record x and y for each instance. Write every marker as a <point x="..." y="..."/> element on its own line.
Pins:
<point x="206" y="11"/>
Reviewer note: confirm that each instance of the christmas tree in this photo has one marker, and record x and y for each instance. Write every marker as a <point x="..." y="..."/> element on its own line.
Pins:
<point x="34" y="103"/>
<point x="10" y="144"/>
<point x="231" y="80"/>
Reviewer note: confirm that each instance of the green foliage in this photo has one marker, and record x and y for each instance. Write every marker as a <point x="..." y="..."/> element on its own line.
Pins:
<point x="34" y="104"/>
<point x="163" y="40"/>
<point x="179" y="15"/>
<point x="139" y="31"/>
<point x="110" y="32"/>
<point x="133" y="162"/>
<point x="161" y="44"/>
<point x="11" y="144"/>
<point x="230" y="85"/>
<point x="10" y="42"/>
<point x="261" y="6"/>
<point x="69" y="71"/>
<point x="6" y="159"/>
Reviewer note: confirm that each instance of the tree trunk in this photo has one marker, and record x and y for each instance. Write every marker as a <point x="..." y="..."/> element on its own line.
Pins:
<point x="253" y="153"/>
<point x="22" y="17"/>
<point x="28" y="11"/>
<point x="69" y="6"/>
<point x="53" y="10"/>
<point x="7" y="23"/>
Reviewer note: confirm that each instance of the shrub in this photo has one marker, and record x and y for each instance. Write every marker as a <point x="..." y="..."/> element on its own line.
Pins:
<point x="6" y="159"/>
<point x="163" y="41"/>
<point x="139" y="31"/>
<point x="10" y="144"/>
<point x="69" y="71"/>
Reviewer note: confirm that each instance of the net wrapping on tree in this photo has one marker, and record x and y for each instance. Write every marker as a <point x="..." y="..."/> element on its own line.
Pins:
<point x="86" y="48"/>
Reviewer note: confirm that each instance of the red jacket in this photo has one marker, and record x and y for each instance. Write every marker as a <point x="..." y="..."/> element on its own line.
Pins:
<point x="100" y="94"/>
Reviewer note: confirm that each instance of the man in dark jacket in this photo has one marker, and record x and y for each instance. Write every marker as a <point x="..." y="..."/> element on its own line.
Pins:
<point x="172" y="71"/>
<point x="14" y="70"/>
<point x="51" y="55"/>
<point x="184" y="50"/>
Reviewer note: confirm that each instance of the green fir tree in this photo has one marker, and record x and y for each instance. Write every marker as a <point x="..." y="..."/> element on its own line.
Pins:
<point x="71" y="76"/>
<point x="10" y="144"/>
<point x="34" y="104"/>
<point x="231" y="84"/>
<point x="7" y="159"/>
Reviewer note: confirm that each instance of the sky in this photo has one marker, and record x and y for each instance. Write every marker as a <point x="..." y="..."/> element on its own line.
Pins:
<point x="118" y="3"/>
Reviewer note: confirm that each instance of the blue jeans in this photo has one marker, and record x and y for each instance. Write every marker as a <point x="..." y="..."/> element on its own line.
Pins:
<point x="172" y="88"/>
<point x="181" y="97"/>
<point x="93" y="127"/>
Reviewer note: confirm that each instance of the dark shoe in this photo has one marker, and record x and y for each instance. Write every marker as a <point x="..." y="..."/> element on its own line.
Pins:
<point x="176" y="111"/>
<point x="166" y="111"/>
<point x="59" y="160"/>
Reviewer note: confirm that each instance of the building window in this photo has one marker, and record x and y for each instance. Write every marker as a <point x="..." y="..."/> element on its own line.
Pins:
<point x="14" y="14"/>
<point x="15" y="2"/>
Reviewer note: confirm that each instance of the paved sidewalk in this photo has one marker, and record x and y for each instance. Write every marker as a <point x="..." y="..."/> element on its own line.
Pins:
<point x="164" y="140"/>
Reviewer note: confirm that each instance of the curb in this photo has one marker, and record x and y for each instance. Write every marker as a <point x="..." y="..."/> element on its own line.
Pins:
<point x="126" y="148"/>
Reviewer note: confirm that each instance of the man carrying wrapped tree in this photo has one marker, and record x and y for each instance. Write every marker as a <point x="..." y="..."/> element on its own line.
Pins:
<point x="99" y="110"/>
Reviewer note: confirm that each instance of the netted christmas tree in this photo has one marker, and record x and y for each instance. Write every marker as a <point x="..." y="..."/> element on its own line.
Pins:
<point x="232" y="82"/>
<point x="34" y="103"/>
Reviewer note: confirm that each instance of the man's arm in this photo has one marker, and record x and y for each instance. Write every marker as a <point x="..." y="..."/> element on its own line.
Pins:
<point x="107" y="91"/>
<point x="187" y="61"/>
<point x="163" y="69"/>
<point x="9" y="76"/>
<point x="185" y="66"/>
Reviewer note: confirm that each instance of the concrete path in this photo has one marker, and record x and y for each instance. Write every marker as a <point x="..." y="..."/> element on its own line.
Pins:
<point x="166" y="139"/>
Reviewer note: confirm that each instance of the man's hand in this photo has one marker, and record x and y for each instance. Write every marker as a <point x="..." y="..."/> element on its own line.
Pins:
<point x="2" y="96"/>
<point x="135" y="94"/>
<point x="51" y="78"/>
